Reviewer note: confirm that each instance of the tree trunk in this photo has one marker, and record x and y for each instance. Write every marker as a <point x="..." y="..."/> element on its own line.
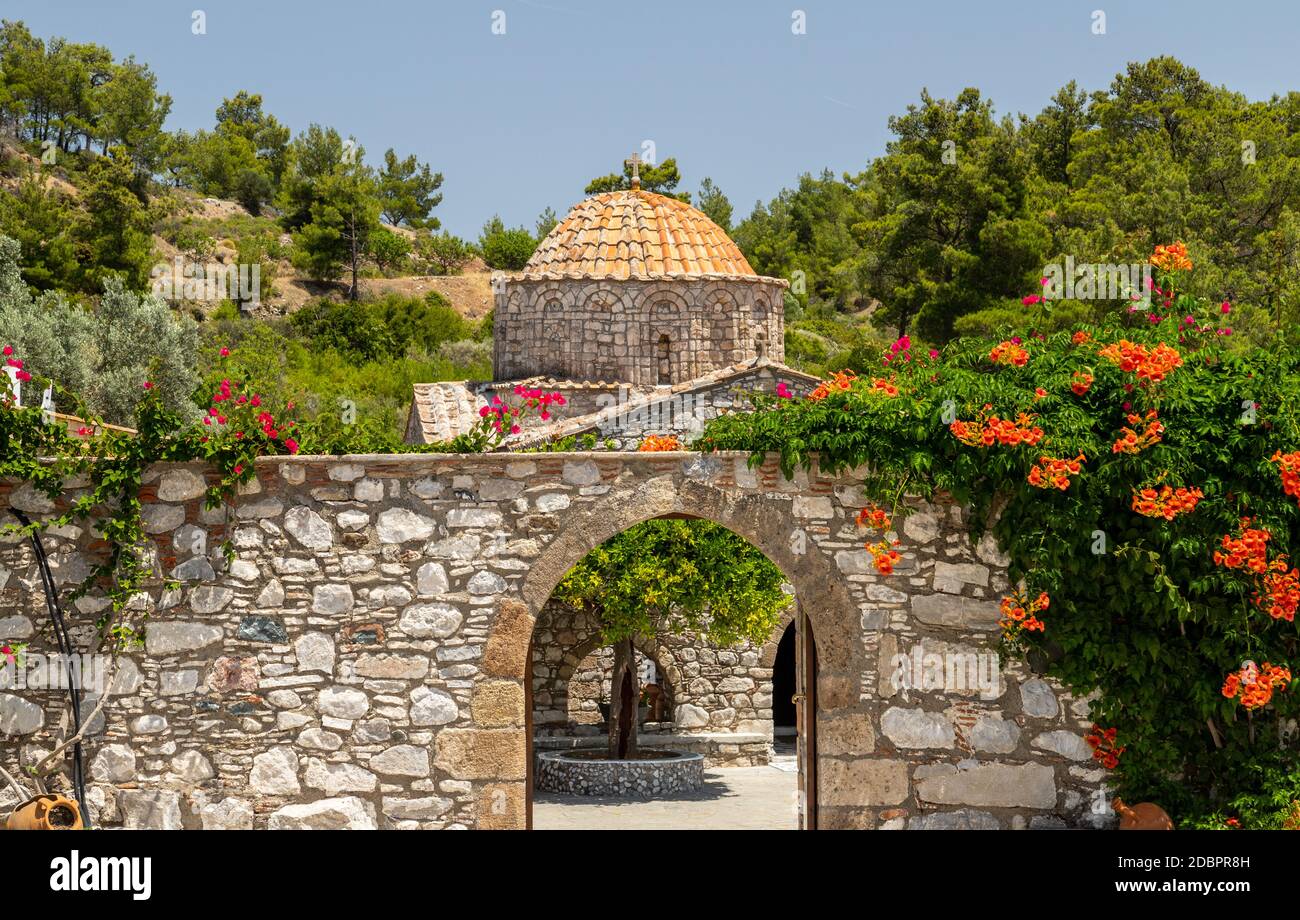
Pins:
<point x="354" y="293"/>
<point x="624" y="698"/>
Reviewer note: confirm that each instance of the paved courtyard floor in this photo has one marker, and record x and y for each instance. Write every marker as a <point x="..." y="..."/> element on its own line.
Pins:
<point x="740" y="798"/>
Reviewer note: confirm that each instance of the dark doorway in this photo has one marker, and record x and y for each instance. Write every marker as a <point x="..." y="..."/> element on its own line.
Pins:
<point x="784" y="719"/>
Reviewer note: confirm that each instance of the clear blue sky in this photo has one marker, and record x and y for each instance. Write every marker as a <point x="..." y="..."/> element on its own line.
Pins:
<point x="520" y="121"/>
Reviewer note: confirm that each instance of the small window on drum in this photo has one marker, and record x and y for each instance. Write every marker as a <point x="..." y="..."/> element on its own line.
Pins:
<point x="665" y="360"/>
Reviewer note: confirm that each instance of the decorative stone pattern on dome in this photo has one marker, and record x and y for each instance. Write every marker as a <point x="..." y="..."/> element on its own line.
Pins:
<point x="643" y="332"/>
<point x="636" y="234"/>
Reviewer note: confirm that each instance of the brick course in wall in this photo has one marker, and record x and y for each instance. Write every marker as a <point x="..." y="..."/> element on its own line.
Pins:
<point x="362" y="661"/>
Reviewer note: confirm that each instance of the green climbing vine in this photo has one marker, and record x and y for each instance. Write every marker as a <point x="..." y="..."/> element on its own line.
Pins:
<point x="1143" y="478"/>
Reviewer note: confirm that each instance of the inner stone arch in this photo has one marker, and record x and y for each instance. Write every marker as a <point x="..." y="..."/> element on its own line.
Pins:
<point x="817" y="581"/>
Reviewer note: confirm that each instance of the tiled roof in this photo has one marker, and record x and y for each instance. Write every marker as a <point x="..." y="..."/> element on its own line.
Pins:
<point x="582" y="424"/>
<point x="637" y="234"/>
<point x="440" y="411"/>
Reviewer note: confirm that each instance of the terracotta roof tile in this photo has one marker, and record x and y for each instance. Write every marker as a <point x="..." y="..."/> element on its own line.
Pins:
<point x="638" y="234"/>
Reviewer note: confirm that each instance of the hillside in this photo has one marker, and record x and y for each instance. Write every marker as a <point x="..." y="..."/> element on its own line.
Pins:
<point x="210" y="232"/>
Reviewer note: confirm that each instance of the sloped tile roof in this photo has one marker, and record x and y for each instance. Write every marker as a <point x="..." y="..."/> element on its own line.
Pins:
<point x="441" y="411"/>
<point x="532" y="437"/>
<point x="637" y="234"/>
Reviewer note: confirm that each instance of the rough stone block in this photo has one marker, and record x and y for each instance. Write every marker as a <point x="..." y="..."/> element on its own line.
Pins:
<point x="992" y="785"/>
<point x="468" y="753"/>
<point x="861" y="782"/>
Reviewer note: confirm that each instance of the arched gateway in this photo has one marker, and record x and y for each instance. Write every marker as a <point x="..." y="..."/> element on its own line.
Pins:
<point x="364" y="661"/>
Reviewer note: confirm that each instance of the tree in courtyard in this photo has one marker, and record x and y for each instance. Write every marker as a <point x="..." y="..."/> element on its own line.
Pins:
<point x="669" y="577"/>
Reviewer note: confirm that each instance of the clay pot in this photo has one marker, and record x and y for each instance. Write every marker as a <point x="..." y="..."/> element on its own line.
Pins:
<point x="1145" y="816"/>
<point x="46" y="813"/>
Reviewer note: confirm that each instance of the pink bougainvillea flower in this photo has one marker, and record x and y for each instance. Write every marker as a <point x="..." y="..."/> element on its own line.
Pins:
<point x="225" y="352"/>
<point x="783" y="391"/>
<point x="23" y="376"/>
<point x="8" y="350"/>
<point x="148" y="384"/>
<point x="1225" y="307"/>
<point x="291" y="444"/>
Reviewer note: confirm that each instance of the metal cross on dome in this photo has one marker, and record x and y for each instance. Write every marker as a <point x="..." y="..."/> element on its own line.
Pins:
<point x="635" y="161"/>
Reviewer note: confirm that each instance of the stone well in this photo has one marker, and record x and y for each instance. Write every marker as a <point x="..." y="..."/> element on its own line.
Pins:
<point x="566" y="772"/>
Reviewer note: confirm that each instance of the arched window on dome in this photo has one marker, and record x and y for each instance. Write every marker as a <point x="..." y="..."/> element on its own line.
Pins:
<point x="760" y="345"/>
<point x="554" y="334"/>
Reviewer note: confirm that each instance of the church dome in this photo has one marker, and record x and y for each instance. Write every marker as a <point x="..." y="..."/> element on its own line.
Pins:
<point x="636" y="234"/>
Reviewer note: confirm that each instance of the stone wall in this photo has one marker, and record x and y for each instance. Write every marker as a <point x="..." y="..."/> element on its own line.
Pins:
<point x="642" y="332"/>
<point x="361" y="663"/>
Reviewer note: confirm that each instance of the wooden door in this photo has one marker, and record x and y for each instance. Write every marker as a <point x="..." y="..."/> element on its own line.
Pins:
<point x="806" y="719"/>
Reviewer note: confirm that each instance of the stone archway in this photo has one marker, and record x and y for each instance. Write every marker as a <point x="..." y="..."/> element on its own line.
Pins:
<point x="816" y="578"/>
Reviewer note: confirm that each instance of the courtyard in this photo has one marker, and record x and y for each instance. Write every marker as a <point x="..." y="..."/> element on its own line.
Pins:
<point x="736" y="798"/>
